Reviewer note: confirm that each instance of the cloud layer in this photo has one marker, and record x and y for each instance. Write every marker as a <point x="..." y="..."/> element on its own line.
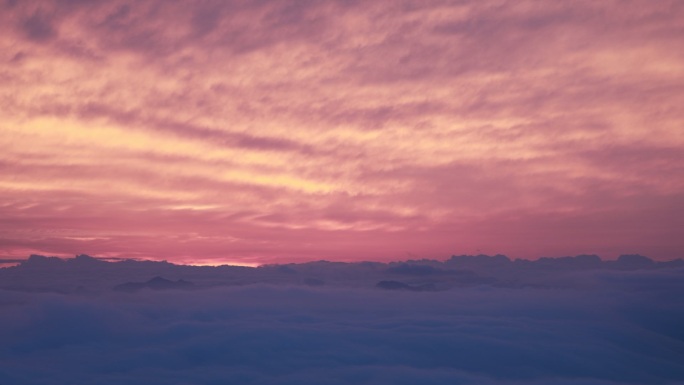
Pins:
<point x="262" y="131"/>
<point x="297" y="335"/>
<point x="469" y="320"/>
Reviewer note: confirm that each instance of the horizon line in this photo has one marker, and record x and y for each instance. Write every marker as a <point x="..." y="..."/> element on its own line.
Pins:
<point x="15" y="261"/>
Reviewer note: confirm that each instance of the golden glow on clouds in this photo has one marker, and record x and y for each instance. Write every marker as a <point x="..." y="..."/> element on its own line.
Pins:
<point x="371" y="128"/>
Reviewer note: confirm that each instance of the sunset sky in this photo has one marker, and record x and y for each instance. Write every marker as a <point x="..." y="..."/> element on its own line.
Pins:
<point x="255" y="132"/>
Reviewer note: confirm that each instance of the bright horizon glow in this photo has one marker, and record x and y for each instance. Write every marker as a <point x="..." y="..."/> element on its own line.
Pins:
<point x="281" y="132"/>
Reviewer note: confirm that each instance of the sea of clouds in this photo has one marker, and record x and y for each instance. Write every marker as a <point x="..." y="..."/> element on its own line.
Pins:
<point x="612" y="327"/>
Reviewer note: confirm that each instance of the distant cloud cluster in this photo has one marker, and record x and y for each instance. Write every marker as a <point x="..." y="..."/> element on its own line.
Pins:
<point x="296" y="130"/>
<point x="606" y="326"/>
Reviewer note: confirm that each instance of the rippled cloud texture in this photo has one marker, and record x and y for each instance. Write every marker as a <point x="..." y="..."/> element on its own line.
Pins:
<point x="252" y="131"/>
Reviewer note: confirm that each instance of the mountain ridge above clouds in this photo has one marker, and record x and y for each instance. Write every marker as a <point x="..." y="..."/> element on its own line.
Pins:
<point x="93" y="274"/>
<point x="156" y="283"/>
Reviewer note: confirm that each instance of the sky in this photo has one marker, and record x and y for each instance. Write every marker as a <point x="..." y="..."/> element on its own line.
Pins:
<point x="253" y="132"/>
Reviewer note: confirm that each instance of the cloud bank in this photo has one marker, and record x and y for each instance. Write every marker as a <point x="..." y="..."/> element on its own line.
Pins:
<point x="617" y="325"/>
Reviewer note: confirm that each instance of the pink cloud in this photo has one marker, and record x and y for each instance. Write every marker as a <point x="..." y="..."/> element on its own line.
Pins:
<point x="286" y="131"/>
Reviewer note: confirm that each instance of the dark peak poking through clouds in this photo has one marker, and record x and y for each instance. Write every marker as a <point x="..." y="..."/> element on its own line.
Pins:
<point x="241" y="130"/>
